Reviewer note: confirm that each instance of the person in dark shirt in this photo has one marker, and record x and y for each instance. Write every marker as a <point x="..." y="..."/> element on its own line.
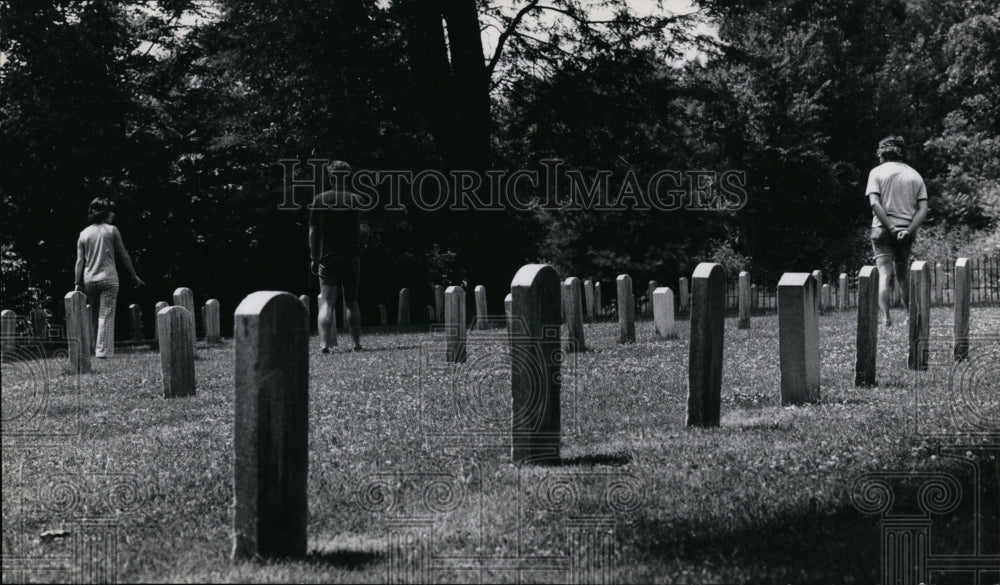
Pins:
<point x="337" y="233"/>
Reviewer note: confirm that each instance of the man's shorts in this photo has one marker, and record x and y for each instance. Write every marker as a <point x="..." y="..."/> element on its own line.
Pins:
<point x="342" y="271"/>
<point x="885" y="243"/>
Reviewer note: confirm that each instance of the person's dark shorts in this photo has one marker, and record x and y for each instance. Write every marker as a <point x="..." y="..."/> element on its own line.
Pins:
<point x="885" y="243"/>
<point x="344" y="271"/>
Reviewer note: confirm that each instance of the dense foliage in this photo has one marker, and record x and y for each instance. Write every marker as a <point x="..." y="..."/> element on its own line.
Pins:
<point x="182" y="110"/>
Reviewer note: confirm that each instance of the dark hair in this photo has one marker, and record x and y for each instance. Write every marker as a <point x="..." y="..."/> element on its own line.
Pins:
<point x="892" y="148"/>
<point x="99" y="209"/>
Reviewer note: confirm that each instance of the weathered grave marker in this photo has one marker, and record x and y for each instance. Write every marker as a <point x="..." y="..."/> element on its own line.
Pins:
<point x="842" y="291"/>
<point x="431" y="316"/>
<point x="39" y="323"/>
<point x="598" y="304"/>
<point x="754" y="299"/>
<point x="867" y="335"/>
<point x="708" y="312"/>
<point x="818" y="277"/>
<point x="574" y="315"/>
<point x="482" y="315"/>
<point x="920" y="315"/>
<point x="271" y="427"/>
<point x="684" y="294"/>
<point x="8" y="331"/>
<point x="176" y="351"/>
<point x="650" y="287"/>
<point x="213" y="325"/>
<point x="535" y="365"/>
<point x="626" y="309"/>
<point x="160" y="305"/>
<point x="798" y="338"/>
<point x="135" y="322"/>
<point x="663" y="313"/>
<point x="962" y="298"/>
<point x="383" y="315"/>
<point x="939" y="283"/>
<point x="183" y="297"/>
<point x="403" y="313"/>
<point x="454" y="324"/>
<point x="826" y="299"/>
<point x="78" y="332"/>
<point x="588" y="294"/>
<point x="439" y="302"/>
<point x="744" y="300"/>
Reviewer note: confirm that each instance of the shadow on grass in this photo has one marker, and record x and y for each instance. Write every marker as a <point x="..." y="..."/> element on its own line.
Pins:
<point x="610" y="459"/>
<point x="344" y="559"/>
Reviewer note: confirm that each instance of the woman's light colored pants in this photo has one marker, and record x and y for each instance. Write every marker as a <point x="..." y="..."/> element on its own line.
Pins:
<point x="102" y="295"/>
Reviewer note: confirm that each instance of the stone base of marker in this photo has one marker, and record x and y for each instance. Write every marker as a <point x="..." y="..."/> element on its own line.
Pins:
<point x="176" y="351"/>
<point x="271" y="427"/>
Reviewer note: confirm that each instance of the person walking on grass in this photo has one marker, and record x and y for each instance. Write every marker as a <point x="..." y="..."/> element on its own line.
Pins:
<point x="96" y="271"/>
<point x="337" y="233"/>
<point x="898" y="199"/>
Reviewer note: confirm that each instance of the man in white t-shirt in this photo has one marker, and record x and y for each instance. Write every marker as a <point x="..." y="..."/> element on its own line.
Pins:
<point x="898" y="198"/>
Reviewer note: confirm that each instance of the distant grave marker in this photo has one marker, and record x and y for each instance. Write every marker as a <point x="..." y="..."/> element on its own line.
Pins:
<point x="798" y="338"/>
<point x="626" y="309"/>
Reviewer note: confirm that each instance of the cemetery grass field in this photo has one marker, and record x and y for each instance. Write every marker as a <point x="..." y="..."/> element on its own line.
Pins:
<point x="394" y="432"/>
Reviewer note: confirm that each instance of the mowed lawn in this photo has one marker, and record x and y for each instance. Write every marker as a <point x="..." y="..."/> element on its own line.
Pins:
<point x="401" y="442"/>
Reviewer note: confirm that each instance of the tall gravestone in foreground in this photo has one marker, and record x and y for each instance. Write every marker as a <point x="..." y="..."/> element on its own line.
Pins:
<point x="867" y="336"/>
<point x="271" y="427"/>
<point x="626" y="309"/>
<point x="798" y="338"/>
<point x="744" y="300"/>
<point x="962" y="298"/>
<point x="403" y="313"/>
<point x="708" y="313"/>
<point x="213" y="324"/>
<point x="574" y="315"/>
<point x="78" y="332"/>
<point x="663" y="313"/>
<point x="173" y="325"/>
<point x="454" y="324"/>
<point x="684" y="294"/>
<point x="183" y="297"/>
<point x="482" y="315"/>
<point x="535" y="361"/>
<point x="919" y="326"/>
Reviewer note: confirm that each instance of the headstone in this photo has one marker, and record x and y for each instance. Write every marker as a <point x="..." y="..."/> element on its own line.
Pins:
<point x="482" y="315"/>
<point x="798" y="338"/>
<point x="213" y="325"/>
<point x="439" y="302"/>
<point x="663" y="313"/>
<point x="431" y="314"/>
<point x="156" y="327"/>
<point x="651" y="286"/>
<point x="135" y="322"/>
<point x="383" y="315"/>
<point x="598" y="305"/>
<point x="271" y="427"/>
<point x="39" y="323"/>
<point x="507" y="300"/>
<point x="684" y="294"/>
<point x="588" y="297"/>
<point x="78" y="332"/>
<point x="754" y="299"/>
<point x="176" y="351"/>
<point x="962" y="298"/>
<point x="8" y="331"/>
<point x="842" y="291"/>
<point x="183" y="297"/>
<point x="744" y="300"/>
<point x="626" y="309"/>
<point x="867" y="336"/>
<point x="403" y="313"/>
<point x="454" y="324"/>
<point x="818" y="277"/>
<point x="939" y="283"/>
<point x="708" y="313"/>
<point x="920" y="315"/>
<point x="827" y="297"/>
<point x="535" y="364"/>
<point x="573" y="308"/>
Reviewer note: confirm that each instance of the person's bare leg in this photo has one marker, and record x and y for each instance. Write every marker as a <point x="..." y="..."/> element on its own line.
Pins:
<point x="354" y="323"/>
<point x="903" y="278"/>
<point x="885" y="277"/>
<point x="325" y="321"/>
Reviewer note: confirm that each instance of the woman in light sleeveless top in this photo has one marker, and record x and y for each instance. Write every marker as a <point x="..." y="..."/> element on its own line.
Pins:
<point x="97" y="274"/>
